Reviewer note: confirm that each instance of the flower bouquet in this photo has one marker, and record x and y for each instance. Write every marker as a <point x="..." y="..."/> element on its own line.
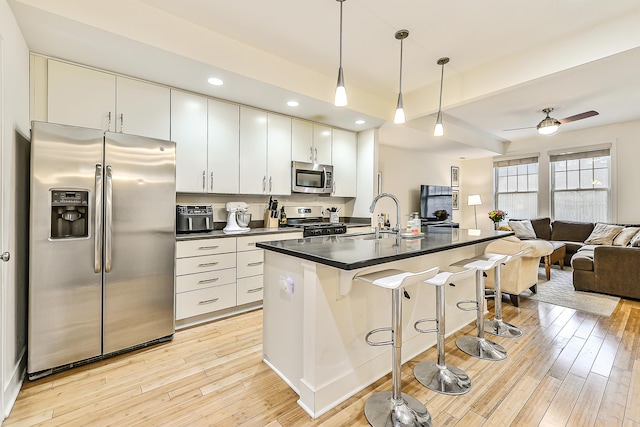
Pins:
<point x="497" y="216"/>
<point x="441" y="214"/>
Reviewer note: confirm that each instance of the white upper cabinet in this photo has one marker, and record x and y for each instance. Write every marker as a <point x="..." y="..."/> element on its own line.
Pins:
<point x="321" y="144"/>
<point x="253" y="151"/>
<point x="310" y="142"/>
<point x="80" y="96"/>
<point x="344" y="152"/>
<point x="279" y="155"/>
<point x="189" y="132"/>
<point x="142" y="109"/>
<point x="223" y="148"/>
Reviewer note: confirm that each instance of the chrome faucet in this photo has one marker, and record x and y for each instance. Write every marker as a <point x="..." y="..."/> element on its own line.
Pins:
<point x="395" y="199"/>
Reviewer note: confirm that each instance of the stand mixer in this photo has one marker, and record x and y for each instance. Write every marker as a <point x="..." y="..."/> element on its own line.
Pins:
<point x="233" y="209"/>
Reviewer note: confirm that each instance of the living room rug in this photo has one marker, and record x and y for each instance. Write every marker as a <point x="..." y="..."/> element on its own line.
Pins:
<point x="559" y="291"/>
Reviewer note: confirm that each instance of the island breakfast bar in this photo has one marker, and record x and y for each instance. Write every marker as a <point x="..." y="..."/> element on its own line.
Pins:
<point x="316" y="316"/>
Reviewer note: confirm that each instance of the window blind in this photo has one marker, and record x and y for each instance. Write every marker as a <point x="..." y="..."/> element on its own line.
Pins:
<point x="515" y="162"/>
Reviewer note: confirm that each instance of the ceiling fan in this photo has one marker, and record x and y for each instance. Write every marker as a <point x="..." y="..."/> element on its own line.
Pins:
<point x="549" y="125"/>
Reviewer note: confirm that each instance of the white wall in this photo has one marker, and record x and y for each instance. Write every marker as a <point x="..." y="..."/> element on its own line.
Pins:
<point x="403" y="171"/>
<point x="13" y="122"/>
<point x="625" y="173"/>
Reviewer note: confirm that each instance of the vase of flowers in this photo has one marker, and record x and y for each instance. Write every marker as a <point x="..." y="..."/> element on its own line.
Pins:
<point x="497" y="216"/>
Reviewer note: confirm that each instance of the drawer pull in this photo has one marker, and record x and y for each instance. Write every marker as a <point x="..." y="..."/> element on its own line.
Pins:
<point x="251" y="291"/>
<point x="215" y="279"/>
<point x="251" y="264"/>
<point x="205" y="248"/>
<point x="209" y="301"/>
<point x="208" y="264"/>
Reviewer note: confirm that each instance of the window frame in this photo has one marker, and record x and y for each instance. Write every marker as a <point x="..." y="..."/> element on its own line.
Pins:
<point x="515" y="161"/>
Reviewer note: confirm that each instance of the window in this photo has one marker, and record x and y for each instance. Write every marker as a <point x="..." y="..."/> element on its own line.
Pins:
<point x="516" y="190"/>
<point x="580" y="185"/>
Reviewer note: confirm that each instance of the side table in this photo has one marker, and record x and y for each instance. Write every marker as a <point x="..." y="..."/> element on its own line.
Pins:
<point x="558" y="254"/>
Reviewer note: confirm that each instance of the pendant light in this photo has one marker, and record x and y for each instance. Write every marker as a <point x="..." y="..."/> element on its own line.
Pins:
<point x="439" y="129"/>
<point x="341" y="93"/>
<point x="399" y="117"/>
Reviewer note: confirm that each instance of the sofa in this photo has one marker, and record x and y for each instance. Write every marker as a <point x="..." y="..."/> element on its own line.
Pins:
<point x="605" y="257"/>
<point x="522" y="272"/>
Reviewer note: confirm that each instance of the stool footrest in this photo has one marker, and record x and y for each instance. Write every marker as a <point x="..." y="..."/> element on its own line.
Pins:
<point x="378" y="343"/>
<point x="460" y="305"/>
<point x="426" y="331"/>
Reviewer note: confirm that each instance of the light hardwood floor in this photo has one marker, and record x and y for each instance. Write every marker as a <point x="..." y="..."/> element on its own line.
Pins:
<point x="569" y="368"/>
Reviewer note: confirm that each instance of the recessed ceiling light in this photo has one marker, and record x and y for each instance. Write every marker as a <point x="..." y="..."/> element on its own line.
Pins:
<point x="360" y="122"/>
<point x="215" y="81"/>
<point x="293" y="103"/>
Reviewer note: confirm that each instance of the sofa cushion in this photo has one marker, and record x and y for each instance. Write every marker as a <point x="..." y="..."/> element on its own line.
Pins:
<point x="603" y="234"/>
<point x="582" y="260"/>
<point x="570" y="231"/>
<point x="523" y="229"/>
<point x="624" y="237"/>
<point x="542" y="227"/>
<point x="635" y="241"/>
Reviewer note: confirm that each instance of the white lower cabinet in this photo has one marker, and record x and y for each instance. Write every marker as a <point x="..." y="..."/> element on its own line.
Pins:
<point x="219" y="274"/>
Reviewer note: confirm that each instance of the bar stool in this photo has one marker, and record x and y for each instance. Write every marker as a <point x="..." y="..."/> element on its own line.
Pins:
<point x="479" y="346"/>
<point x="394" y="408"/>
<point x="497" y="326"/>
<point x="438" y="376"/>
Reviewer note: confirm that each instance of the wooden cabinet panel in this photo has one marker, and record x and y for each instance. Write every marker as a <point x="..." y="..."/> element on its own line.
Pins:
<point x="207" y="300"/>
<point x="223" y="152"/>
<point x="279" y="154"/>
<point x="250" y="289"/>
<point x="199" y="247"/>
<point x="205" y="263"/>
<point x="344" y="154"/>
<point x="191" y="282"/>
<point x="253" y="151"/>
<point x="250" y="263"/>
<point x="142" y="108"/>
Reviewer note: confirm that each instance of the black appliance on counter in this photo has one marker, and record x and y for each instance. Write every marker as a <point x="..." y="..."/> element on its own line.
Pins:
<point x="194" y="218"/>
<point x="310" y="220"/>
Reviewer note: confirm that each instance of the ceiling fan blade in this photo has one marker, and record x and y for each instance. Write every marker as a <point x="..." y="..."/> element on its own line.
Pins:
<point x="580" y="116"/>
<point x="529" y="127"/>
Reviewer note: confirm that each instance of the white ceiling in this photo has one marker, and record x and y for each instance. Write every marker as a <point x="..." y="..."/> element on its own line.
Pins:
<point x="508" y="59"/>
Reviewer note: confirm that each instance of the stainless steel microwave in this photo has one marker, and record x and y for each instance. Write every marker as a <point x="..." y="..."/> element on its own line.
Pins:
<point x="311" y="178"/>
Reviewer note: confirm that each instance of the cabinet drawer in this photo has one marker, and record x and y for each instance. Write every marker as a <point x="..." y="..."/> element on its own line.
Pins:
<point x="191" y="282"/>
<point x="250" y="289"/>
<point x="250" y="263"/>
<point x="199" y="264"/>
<point x="248" y="243"/>
<point x="187" y="248"/>
<point x="201" y="301"/>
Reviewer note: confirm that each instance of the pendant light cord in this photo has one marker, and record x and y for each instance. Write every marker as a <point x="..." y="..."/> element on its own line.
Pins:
<point x="401" y="45"/>
<point x="441" y="80"/>
<point x="341" y="1"/>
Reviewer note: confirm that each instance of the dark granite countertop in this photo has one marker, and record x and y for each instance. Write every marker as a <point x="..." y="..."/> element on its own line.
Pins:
<point x="349" y="252"/>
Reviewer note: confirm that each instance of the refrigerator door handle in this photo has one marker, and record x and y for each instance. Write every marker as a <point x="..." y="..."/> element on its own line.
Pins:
<point x="98" y="221"/>
<point x="108" y="219"/>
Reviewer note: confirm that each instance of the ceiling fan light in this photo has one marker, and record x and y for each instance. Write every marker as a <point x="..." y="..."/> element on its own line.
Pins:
<point x="548" y="126"/>
<point x="399" y="118"/>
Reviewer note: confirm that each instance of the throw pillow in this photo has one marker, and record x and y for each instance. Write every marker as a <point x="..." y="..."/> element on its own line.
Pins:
<point x="635" y="241"/>
<point x="625" y="236"/>
<point x="603" y="234"/>
<point x="523" y="229"/>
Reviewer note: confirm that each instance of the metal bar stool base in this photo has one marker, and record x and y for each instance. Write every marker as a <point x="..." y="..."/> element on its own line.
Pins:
<point x="445" y="379"/>
<point x="481" y="348"/>
<point x="501" y="328"/>
<point x="381" y="410"/>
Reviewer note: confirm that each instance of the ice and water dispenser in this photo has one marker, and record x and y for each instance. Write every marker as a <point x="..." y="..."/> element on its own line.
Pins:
<point x="69" y="214"/>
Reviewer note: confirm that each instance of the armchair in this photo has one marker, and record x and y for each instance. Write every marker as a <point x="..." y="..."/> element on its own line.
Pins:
<point x="522" y="272"/>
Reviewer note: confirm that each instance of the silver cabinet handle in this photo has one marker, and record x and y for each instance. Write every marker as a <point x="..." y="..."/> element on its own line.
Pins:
<point x="208" y="301"/>
<point x="270" y="184"/>
<point x="205" y="248"/>
<point x="108" y="218"/>
<point x="316" y="156"/>
<point x="311" y="153"/>
<point x="211" y="183"/>
<point x="264" y="184"/>
<point x="254" y="290"/>
<point x="121" y="122"/>
<point x="109" y="121"/>
<point x="5" y="256"/>
<point x="214" y="279"/>
<point x="97" y="265"/>
<point x="333" y="189"/>
<point x="204" y="180"/>
<point x="208" y="264"/>
<point x="252" y="264"/>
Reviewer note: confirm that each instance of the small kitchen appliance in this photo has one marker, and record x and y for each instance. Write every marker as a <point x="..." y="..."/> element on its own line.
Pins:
<point x="194" y="218"/>
<point x="311" y="178"/>
<point x="235" y="210"/>
<point x="309" y="219"/>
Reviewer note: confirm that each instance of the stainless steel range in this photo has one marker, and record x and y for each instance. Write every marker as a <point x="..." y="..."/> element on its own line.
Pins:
<point x="310" y="220"/>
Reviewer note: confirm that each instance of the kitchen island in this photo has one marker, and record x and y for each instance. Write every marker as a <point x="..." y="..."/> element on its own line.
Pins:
<point x="316" y="316"/>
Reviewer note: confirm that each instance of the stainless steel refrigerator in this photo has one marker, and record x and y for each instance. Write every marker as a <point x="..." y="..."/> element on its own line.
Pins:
<point x="102" y="245"/>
